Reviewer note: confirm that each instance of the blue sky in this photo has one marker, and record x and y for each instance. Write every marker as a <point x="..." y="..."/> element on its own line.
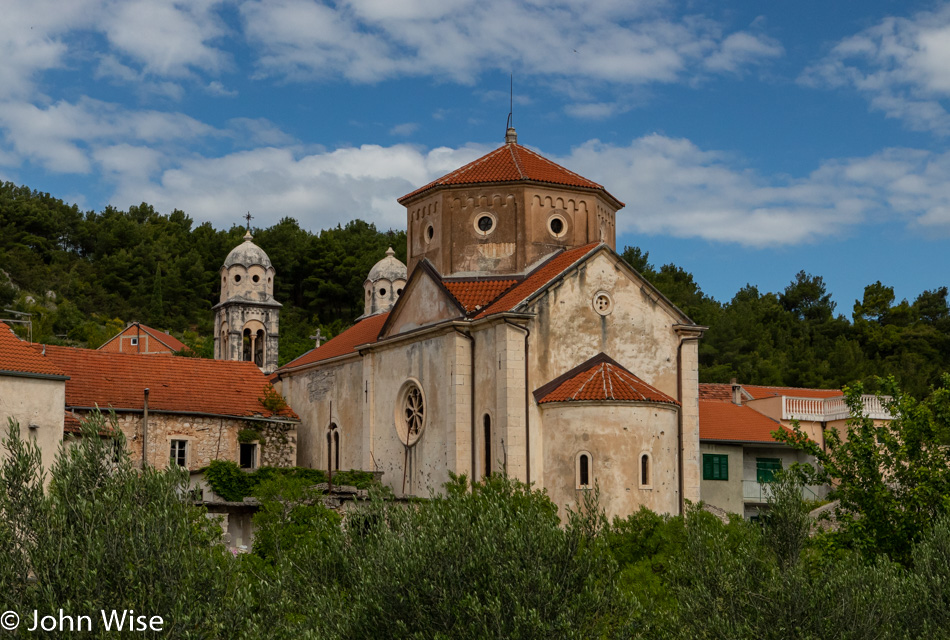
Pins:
<point x="749" y="140"/>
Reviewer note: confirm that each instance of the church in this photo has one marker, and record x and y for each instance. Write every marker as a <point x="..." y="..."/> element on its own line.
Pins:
<point x="516" y="340"/>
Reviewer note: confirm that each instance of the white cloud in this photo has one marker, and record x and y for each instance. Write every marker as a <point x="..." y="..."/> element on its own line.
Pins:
<point x="902" y="65"/>
<point x="370" y="40"/>
<point x="61" y="136"/>
<point x="670" y="186"/>
<point x="404" y="129"/>
<point x="319" y="189"/>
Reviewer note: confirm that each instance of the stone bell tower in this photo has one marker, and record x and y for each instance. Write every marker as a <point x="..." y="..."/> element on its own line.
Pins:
<point x="246" y="318"/>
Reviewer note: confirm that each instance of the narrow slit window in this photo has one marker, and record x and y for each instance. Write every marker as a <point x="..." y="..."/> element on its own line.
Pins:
<point x="487" y="421"/>
<point x="583" y="471"/>
<point x="645" y="470"/>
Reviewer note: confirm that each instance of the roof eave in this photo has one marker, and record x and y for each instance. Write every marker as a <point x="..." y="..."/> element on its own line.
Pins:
<point x="409" y="198"/>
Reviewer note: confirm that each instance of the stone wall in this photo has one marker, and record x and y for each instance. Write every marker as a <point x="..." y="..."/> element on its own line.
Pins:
<point x="209" y="438"/>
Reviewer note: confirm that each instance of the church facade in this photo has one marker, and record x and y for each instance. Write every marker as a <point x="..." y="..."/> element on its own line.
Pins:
<point x="516" y="341"/>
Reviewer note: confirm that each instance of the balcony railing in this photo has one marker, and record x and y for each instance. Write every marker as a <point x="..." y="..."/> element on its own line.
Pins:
<point x="757" y="492"/>
<point x="828" y="409"/>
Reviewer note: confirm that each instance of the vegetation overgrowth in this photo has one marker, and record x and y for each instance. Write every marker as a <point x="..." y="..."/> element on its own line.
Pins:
<point x="85" y="274"/>
<point x="485" y="560"/>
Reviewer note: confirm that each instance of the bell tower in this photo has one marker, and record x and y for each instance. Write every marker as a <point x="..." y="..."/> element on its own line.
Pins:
<point x="246" y="319"/>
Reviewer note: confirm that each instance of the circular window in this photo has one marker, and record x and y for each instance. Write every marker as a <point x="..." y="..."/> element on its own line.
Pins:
<point x="557" y="225"/>
<point x="237" y="277"/>
<point x="382" y="292"/>
<point x="430" y="233"/>
<point x="398" y="292"/>
<point x="484" y="224"/>
<point x="256" y="278"/>
<point x="602" y="303"/>
<point x="410" y="414"/>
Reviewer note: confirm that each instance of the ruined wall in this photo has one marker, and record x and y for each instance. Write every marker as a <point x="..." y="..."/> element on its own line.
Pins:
<point x="209" y="438"/>
<point x="616" y="436"/>
<point x="34" y="401"/>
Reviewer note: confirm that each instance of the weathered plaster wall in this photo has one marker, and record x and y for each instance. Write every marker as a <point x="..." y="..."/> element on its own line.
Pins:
<point x="521" y="235"/>
<point x="441" y="364"/>
<point x="615" y="435"/>
<point x="311" y="394"/>
<point x="725" y="494"/>
<point x="638" y="333"/>
<point x="430" y="304"/>
<point x="34" y="401"/>
<point x="208" y="439"/>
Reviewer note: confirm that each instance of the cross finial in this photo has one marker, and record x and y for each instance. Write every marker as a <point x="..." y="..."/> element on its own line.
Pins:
<point x="318" y="337"/>
<point x="248" y="217"/>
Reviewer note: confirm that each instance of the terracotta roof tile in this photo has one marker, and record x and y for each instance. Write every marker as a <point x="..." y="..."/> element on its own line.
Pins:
<point x="509" y="163"/>
<point x="70" y="422"/>
<point x="198" y="385"/>
<point x="363" y="332"/>
<point x="600" y="379"/>
<point x="537" y="279"/>
<point x="170" y="341"/>
<point x="715" y="391"/>
<point x="474" y="295"/>
<point x="20" y="357"/>
<point x="758" y="392"/>
<point x="734" y="423"/>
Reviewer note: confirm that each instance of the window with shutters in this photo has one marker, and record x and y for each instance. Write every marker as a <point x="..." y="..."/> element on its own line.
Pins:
<point x="766" y="468"/>
<point x="715" y="466"/>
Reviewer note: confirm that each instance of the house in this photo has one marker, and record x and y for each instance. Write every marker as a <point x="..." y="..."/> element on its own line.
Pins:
<point x="739" y="453"/>
<point x="185" y="411"/>
<point x="516" y="340"/>
<point x="32" y="392"/>
<point x="140" y="339"/>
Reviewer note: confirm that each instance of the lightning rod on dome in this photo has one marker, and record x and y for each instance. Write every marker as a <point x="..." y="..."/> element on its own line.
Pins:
<point x="510" y="136"/>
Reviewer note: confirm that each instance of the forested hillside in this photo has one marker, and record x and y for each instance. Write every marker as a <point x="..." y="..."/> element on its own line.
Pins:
<point x="85" y="274"/>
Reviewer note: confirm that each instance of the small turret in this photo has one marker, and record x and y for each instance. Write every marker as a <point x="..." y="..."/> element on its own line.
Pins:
<point x="384" y="284"/>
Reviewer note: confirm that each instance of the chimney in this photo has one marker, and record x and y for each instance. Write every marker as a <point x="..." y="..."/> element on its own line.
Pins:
<point x="736" y="392"/>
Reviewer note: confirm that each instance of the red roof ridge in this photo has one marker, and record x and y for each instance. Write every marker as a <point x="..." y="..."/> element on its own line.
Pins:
<point x="514" y="158"/>
<point x="572" y="386"/>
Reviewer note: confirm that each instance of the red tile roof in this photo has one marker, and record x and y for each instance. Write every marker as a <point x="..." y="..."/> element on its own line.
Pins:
<point x="474" y="295"/>
<point x="176" y="385"/>
<point x="71" y="423"/>
<point x="537" y="279"/>
<point x="363" y="332"/>
<point x="600" y="378"/>
<point x="19" y="357"/>
<point x="715" y="391"/>
<point x="510" y="163"/>
<point x="758" y="392"/>
<point x="730" y="422"/>
<point x="113" y="344"/>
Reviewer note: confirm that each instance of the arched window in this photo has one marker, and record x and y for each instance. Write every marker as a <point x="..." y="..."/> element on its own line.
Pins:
<point x="487" y="421"/>
<point x="259" y="348"/>
<point x="246" y="350"/>
<point x="584" y="471"/>
<point x="646" y="471"/>
<point x="333" y="447"/>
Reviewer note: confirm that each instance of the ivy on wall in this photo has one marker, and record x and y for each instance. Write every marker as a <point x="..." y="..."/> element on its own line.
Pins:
<point x="231" y="483"/>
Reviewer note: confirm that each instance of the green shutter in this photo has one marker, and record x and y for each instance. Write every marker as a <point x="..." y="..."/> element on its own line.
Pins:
<point x="765" y="468"/>
<point x="715" y="466"/>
